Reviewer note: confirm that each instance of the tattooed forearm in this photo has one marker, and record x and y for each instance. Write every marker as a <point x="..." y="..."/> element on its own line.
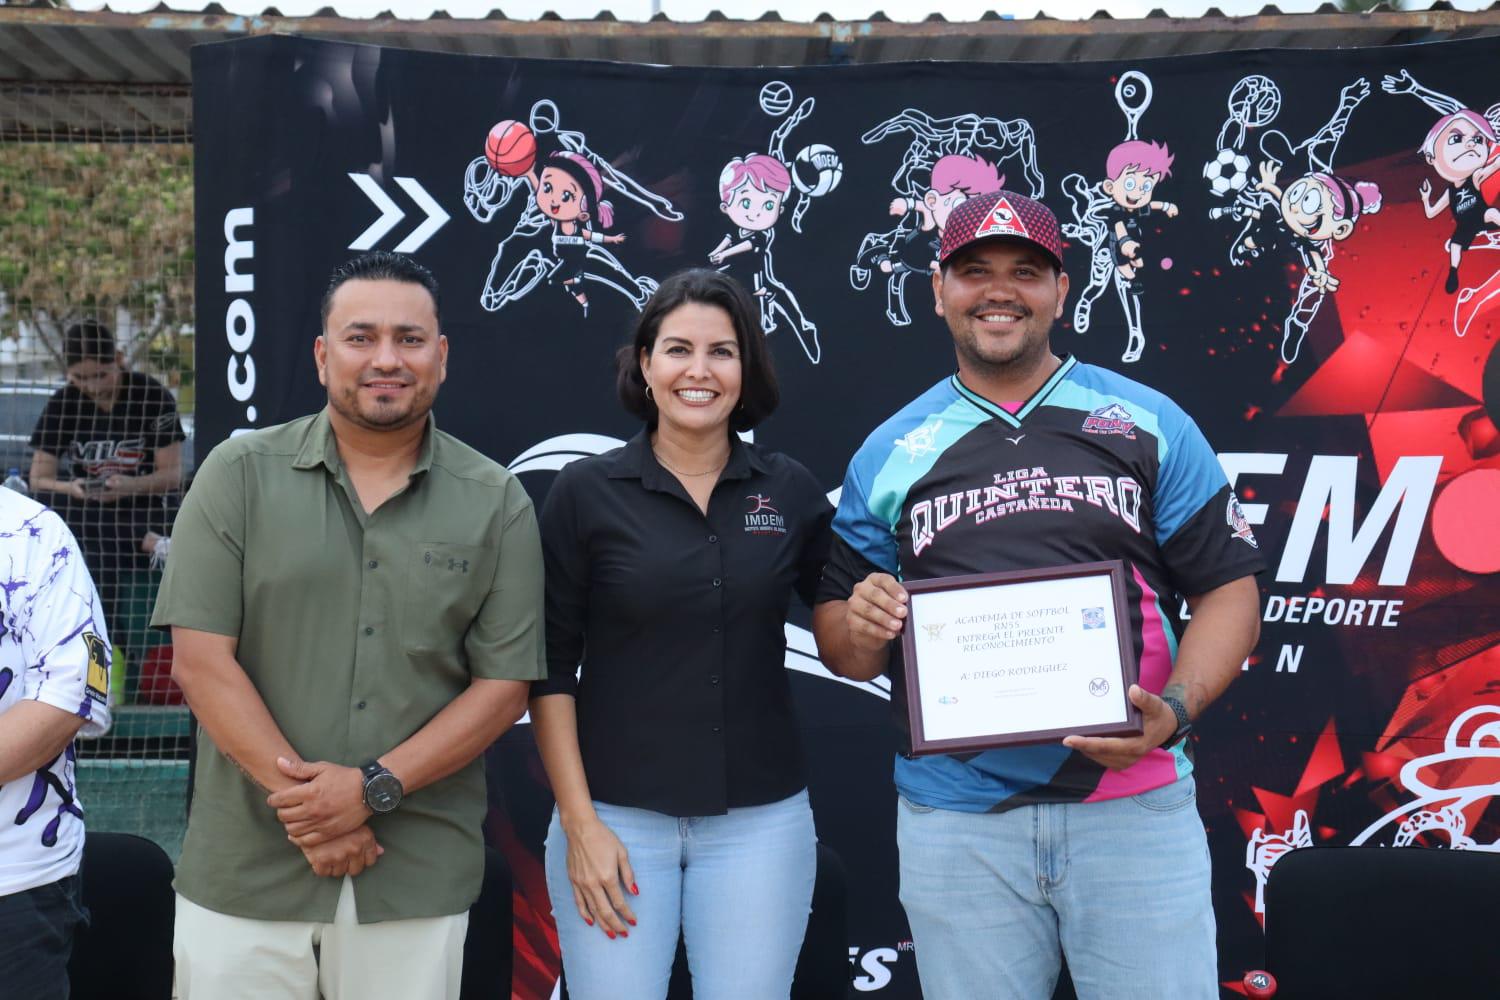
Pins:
<point x="245" y="771"/>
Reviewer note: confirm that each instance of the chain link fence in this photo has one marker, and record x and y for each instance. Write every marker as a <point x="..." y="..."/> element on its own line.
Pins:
<point x="96" y="388"/>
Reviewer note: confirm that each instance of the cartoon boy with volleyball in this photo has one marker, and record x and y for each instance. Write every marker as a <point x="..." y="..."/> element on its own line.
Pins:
<point x="752" y="192"/>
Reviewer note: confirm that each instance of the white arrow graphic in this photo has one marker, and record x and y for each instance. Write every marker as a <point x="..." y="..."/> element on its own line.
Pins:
<point x="435" y="215"/>
<point x="391" y="213"/>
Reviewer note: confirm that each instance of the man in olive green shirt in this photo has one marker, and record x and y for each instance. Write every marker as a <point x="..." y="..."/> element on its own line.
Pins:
<point x="355" y="601"/>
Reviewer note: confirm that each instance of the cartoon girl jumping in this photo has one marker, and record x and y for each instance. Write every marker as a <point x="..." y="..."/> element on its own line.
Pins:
<point x="566" y="187"/>
<point x="1316" y="211"/>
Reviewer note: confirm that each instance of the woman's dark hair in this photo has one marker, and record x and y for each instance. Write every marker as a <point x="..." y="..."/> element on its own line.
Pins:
<point x="759" y="393"/>
<point x="88" y="341"/>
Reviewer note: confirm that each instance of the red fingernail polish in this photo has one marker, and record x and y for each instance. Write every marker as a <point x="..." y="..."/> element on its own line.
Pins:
<point x="633" y="890"/>
<point x="588" y="921"/>
<point x="611" y="935"/>
<point x="624" y="934"/>
<point x="632" y="923"/>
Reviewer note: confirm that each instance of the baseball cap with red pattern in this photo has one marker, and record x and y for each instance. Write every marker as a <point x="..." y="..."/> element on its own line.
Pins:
<point x="1001" y="214"/>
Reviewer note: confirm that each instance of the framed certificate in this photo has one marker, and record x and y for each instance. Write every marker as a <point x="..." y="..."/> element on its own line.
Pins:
<point x="1006" y="659"/>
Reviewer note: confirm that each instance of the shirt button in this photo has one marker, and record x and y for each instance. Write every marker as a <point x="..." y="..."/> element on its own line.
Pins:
<point x="369" y="630"/>
<point x="373" y="564"/>
<point x="713" y="680"/>
<point x="718" y="582"/>
<point x="713" y="538"/>
<point x="361" y="705"/>
<point x="717" y="630"/>
<point x="717" y="729"/>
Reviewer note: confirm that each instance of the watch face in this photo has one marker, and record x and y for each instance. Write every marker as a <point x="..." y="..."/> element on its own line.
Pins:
<point x="383" y="792"/>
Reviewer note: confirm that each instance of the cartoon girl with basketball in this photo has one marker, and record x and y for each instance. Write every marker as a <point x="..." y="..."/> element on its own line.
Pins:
<point x="565" y="196"/>
<point x="567" y="186"/>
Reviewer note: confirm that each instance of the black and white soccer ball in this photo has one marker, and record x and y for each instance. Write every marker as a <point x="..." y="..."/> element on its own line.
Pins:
<point x="1227" y="173"/>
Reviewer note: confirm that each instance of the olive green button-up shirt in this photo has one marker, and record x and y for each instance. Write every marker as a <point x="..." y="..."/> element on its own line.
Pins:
<point x="356" y="630"/>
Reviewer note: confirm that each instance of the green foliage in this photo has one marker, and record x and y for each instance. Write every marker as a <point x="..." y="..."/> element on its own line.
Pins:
<point x="92" y="228"/>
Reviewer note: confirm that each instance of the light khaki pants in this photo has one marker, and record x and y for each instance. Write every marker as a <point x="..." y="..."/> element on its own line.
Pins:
<point x="220" y="957"/>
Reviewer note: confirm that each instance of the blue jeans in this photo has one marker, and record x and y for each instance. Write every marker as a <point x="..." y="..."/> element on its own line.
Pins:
<point x="36" y="939"/>
<point x="1120" y="886"/>
<point x="738" y="887"/>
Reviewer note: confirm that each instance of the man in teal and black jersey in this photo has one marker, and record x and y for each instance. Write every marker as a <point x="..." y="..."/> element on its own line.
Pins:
<point x="1090" y="846"/>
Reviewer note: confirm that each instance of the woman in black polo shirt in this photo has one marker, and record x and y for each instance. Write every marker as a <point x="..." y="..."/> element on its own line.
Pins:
<point x="674" y="752"/>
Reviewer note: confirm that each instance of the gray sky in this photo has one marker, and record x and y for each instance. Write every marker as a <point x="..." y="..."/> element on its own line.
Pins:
<point x="794" y="10"/>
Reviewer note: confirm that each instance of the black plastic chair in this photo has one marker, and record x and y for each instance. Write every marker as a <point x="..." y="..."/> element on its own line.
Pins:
<point x="125" y="952"/>
<point x="1372" y="922"/>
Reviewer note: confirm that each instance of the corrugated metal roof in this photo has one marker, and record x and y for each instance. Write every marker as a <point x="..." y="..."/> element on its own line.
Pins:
<point x="43" y="43"/>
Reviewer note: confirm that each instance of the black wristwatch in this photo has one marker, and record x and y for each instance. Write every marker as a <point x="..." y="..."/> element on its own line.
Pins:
<point x="1184" y="722"/>
<point x="383" y="791"/>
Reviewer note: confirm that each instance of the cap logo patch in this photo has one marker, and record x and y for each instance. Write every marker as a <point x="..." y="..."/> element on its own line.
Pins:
<point x="1003" y="221"/>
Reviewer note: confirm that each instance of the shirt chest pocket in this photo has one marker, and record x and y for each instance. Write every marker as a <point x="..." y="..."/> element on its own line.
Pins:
<point x="445" y="585"/>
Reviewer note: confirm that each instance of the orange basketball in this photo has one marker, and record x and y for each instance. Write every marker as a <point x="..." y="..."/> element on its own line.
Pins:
<point x="510" y="148"/>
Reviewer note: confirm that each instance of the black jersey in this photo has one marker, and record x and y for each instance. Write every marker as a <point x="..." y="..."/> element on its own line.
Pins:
<point x="93" y="443"/>
<point x="1093" y="467"/>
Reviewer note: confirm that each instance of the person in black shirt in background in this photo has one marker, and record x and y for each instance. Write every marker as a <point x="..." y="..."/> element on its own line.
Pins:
<point x="117" y="436"/>
<point x="674" y="754"/>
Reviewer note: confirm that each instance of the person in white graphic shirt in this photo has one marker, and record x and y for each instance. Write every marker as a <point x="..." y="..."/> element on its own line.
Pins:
<point x="54" y="686"/>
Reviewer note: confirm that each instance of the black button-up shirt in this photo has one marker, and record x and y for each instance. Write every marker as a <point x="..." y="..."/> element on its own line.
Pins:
<point x="678" y="621"/>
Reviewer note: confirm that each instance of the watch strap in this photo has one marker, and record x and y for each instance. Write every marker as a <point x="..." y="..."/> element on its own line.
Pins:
<point x="1184" y="721"/>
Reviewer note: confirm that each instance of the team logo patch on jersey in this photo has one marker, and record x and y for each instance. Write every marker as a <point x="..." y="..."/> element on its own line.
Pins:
<point x="1003" y="221"/>
<point x="1239" y="525"/>
<point x="1110" y="419"/>
<point x="763" y="518"/>
<point x="922" y="441"/>
<point x="98" y="672"/>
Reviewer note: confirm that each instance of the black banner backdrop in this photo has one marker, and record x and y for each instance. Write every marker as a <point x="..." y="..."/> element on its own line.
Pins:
<point x="1288" y="287"/>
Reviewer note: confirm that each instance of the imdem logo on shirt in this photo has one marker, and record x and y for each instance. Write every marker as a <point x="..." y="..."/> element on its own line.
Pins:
<point x="1110" y="419"/>
<point x="763" y="518"/>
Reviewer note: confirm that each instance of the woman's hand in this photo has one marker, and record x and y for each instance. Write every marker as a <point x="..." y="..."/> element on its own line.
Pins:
<point x="599" y="868"/>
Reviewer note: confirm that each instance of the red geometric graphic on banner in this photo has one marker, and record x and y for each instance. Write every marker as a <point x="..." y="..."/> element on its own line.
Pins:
<point x="1281" y="810"/>
<point x="1369" y="376"/>
<point x="1429" y="705"/>
<point x="1325" y="764"/>
<point x="1249" y="821"/>
<point x="1422" y="432"/>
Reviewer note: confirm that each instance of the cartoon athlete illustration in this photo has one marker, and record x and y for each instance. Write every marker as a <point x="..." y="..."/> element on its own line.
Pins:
<point x="566" y="187"/>
<point x="565" y="196"/>
<point x="1463" y="151"/>
<point x="1309" y="215"/>
<point x="753" y="192"/>
<point x="947" y="161"/>
<point x="913" y="245"/>
<point x="1108" y="216"/>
